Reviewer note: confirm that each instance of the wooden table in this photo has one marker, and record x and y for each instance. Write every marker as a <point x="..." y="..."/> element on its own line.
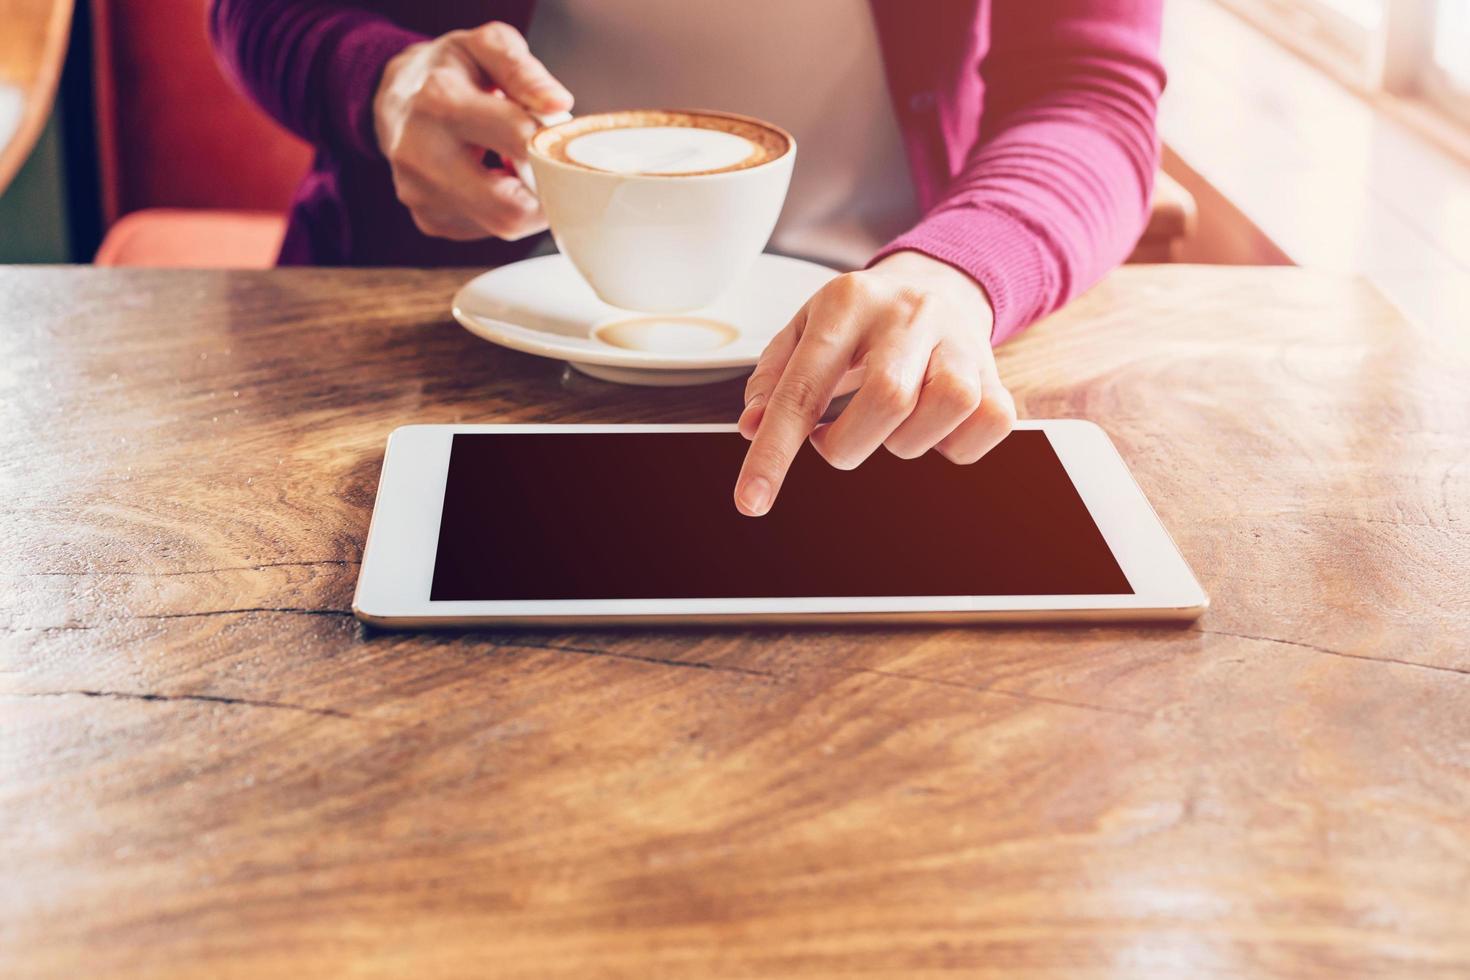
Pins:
<point x="207" y="767"/>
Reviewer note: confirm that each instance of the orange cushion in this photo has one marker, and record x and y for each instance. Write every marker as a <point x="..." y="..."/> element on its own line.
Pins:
<point x="196" y="239"/>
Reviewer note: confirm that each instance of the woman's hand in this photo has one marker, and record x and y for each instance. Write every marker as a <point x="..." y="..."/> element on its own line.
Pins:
<point x="436" y="113"/>
<point x="912" y="335"/>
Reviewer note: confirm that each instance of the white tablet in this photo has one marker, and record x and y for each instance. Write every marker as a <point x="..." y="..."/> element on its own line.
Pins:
<point x="562" y="524"/>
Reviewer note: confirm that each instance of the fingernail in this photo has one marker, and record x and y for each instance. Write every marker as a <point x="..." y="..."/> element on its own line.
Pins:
<point x="552" y="96"/>
<point x="755" y="496"/>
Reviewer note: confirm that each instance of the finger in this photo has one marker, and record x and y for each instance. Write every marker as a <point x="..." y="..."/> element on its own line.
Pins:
<point x="950" y="394"/>
<point x="889" y="394"/>
<point x="984" y="429"/>
<point x="757" y="393"/>
<point x="473" y="115"/>
<point x="451" y="195"/>
<point x="501" y="213"/>
<point x="427" y="172"/>
<point x="502" y="53"/>
<point x="768" y="369"/>
<point x="504" y="206"/>
<point x="445" y="224"/>
<point x="822" y="356"/>
<point x="852" y="380"/>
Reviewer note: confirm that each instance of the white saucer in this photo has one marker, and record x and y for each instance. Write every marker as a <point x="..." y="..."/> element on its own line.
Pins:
<point x="543" y="306"/>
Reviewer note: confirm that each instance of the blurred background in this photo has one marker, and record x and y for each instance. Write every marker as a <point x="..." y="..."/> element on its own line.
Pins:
<point x="1332" y="134"/>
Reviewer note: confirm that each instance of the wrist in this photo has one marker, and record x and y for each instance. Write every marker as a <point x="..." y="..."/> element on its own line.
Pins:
<point x="959" y="288"/>
<point x="388" y="102"/>
<point x="352" y="64"/>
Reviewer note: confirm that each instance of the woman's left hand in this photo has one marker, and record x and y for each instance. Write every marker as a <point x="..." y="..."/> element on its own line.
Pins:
<point x="912" y="335"/>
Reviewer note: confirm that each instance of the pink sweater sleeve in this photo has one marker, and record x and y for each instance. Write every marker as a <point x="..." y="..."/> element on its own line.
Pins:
<point x="1056" y="191"/>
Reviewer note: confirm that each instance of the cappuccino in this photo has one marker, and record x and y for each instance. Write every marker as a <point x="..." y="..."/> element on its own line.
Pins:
<point x="661" y="211"/>
<point x="663" y="143"/>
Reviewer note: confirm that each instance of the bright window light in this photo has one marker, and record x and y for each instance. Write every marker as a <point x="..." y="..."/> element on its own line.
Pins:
<point x="1452" y="40"/>
<point x="1367" y="14"/>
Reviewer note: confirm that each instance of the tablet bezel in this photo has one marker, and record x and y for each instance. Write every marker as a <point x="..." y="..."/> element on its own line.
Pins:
<point x="398" y="559"/>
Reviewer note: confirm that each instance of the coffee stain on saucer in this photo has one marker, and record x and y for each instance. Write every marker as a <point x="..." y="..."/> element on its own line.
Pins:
<point x="666" y="334"/>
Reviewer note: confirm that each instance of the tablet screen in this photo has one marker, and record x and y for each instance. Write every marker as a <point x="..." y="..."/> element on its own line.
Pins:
<point x="651" y="516"/>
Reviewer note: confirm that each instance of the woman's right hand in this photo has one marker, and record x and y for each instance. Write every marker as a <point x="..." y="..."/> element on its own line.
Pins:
<point x="436" y="112"/>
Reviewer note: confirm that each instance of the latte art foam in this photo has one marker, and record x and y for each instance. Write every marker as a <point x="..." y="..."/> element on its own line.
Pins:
<point x="657" y="142"/>
<point x="659" y="150"/>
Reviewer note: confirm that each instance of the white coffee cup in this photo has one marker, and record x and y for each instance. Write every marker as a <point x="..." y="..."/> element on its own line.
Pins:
<point x="660" y="242"/>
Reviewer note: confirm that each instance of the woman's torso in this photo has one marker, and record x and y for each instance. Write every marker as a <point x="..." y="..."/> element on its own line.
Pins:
<point x="812" y="67"/>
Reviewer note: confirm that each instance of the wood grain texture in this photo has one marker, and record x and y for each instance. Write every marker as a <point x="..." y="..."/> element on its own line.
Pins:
<point x="207" y="768"/>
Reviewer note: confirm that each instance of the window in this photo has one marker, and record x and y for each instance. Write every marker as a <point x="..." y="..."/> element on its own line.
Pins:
<point x="1448" y="78"/>
<point x="1415" y="50"/>
<point x="1364" y="14"/>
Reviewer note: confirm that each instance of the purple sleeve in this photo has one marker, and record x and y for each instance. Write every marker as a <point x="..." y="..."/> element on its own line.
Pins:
<point x="314" y="65"/>
<point x="1056" y="191"/>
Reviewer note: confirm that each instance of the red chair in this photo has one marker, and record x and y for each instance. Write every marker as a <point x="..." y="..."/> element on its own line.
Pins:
<point x="193" y="174"/>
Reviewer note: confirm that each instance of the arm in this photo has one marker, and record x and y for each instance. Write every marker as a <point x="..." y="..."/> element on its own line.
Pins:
<point x="1052" y="196"/>
<point x="354" y="82"/>
<point x="1056" y="191"/>
<point x="313" y="65"/>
